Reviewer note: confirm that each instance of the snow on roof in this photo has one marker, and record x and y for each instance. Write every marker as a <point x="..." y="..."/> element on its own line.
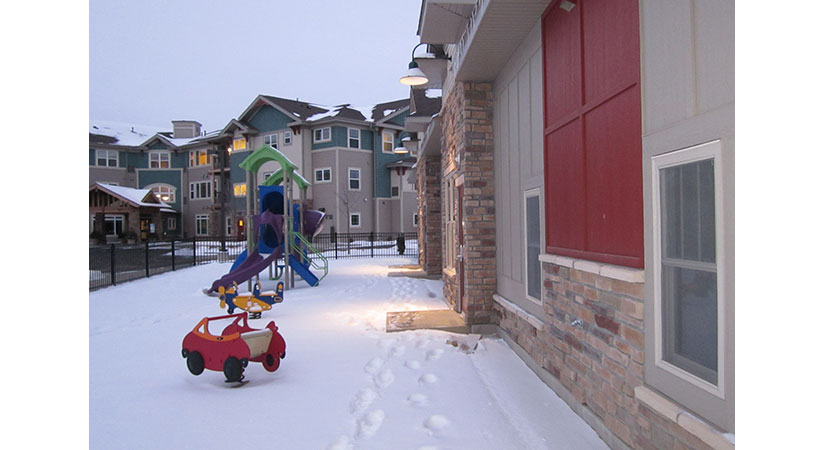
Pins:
<point x="134" y="195"/>
<point x="126" y="134"/>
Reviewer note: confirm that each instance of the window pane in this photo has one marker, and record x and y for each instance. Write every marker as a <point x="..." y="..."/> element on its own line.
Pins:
<point x="533" y="247"/>
<point x="688" y="215"/>
<point x="690" y="332"/>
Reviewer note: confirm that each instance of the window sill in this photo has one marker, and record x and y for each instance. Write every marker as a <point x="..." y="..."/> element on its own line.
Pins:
<point x="602" y="269"/>
<point x="519" y="311"/>
<point x="683" y="418"/>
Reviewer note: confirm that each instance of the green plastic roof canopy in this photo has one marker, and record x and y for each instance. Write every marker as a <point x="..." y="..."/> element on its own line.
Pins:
<point x="266" y="154"/>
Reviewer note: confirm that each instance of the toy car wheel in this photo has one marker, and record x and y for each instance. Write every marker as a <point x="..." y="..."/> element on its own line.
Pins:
<point x="184" y="353"/>
<point x="194" y="362"/>
<point x="232" y="369"/>
<point x="271" y="362"/>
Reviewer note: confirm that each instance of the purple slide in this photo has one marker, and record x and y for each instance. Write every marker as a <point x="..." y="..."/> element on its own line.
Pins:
<point x="252" y="266"/>
<point x="254" y="262"/>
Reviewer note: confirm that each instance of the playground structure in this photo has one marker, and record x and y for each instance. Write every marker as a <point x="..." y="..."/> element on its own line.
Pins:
<point x="281" y="231"/>
<point x="254" y="303"/>
<point x="234" y="348"/>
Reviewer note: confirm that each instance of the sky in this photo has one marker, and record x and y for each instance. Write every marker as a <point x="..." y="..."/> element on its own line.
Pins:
<point x="151" y="62"/>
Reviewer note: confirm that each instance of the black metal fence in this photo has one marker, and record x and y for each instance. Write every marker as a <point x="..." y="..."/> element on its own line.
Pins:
<point x="110" y="264"/>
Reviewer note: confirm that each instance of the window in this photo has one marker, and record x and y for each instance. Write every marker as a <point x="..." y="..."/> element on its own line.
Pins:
<point x="113" y="224"/>
<point x="323" y="175"/>
<point x="415" y="219"/>
<point x="387" y="141"/>
<point x="355" y="220"/>
<point x="271" y="140"/>
<point x="106" y="158"/>
<point x="239" y="189"/>
<point x="287" y="138"/>
<point x="238" y="144"/>
<point x="688" y="308"/>
<point x="165" y="192"/>
<point x="159" y="160"/>
<point x="202" y="225"/>
<point x="532" y="222"/>
<point x="228" y="226"/>
<point x="171" y="223"/>
<point x="321" y="135"/>
<point x="200" y="190"/>
<point x="267" y="175"/>
<point x="354" y="179"/>
<point x="198" y="158"/>
<point x="449" y="227"/>
<point x="354" y="137"/>
<point x="394" y="191"/>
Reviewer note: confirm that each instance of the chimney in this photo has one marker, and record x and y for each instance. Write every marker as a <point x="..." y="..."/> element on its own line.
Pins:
<point x="185" y="129"/>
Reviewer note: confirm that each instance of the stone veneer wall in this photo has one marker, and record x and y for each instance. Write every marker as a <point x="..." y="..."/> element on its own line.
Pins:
<point x="429" y="214"/>
<point x="467" y="153"/>
<point x="591" y="340"/>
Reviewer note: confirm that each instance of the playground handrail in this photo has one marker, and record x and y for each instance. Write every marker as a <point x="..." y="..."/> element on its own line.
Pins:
<point x="312" y="255"/>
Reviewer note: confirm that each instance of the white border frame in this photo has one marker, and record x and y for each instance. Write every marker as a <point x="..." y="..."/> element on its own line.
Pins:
<point x="321" y="129"/>
<point x="358" y="214"/>
<point x="171" y="187"/>
<point x="277" y="140"/>
<point x="197" y="218"/>
<point x="349" y="179"/>
<point x="287" y="133"/>
<point x="160" y="153"/>
<point x="383" y="141"/>
<point x="321" y="169"/>
<point x="358" y="130"/>
<point x="97" y="158"/>
<point x="709" y="150"/>
<point x="533" y="192"/>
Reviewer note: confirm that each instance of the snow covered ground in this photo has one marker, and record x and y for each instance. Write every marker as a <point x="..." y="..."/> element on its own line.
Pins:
<point x="344" y="384"/>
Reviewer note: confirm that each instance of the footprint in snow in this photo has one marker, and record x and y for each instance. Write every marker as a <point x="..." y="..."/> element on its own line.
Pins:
<point x="413" y="364"/>
<point x="342" y="443"/>
<point x="386" y="343"/>
<point x="384" y="378"/>
<point x="434" y="354"/>
<point x="418" y="399"/>
<point x="373" y="366"/>
<point x="436" y="423"/>
<point x="427" y="379"/>
<point x="363" y="400"/>
<point x="370" y="423"/>
<point x="397" y="351"/>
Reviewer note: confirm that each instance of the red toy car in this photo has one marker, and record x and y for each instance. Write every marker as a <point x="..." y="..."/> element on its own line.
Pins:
<point x="234" y="348"/>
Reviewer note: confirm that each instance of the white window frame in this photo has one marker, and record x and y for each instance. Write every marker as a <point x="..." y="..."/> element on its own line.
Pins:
<point x="357" y="138"/>
<point x="194" y="158"/>
<point x="534" y="192"/>
<point x="415" y="219"/>
<point x="450" y="231"/>
<point x="229" y="226"/>
<point x="107" y="155"/>
<point x="358" y="215"/>
<point x="239" y="144"/>
<point x="384" y="140"/>
<point x="115" y="218"/>
<point x="328" y="133"/>
<point x="196" y="191"/>
<point x="161" y="156"/>
<point x="287" y="138"/>
<point x="199" y="220"/>
<point x="711" y="150"/>
<point x="171" y="190"/>
<point x="350" y="179"/>
<point x="326" y="172"/>
<point x="270" y="138"/>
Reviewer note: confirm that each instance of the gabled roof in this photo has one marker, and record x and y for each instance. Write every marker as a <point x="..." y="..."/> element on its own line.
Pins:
<point x="135" y="197"/>
<point x="295" y="108"/>
<point x="425" y="102"/>
<point x="118" y="133"/>
<point x="236" y="124"/>
<point x="388" y="110"/>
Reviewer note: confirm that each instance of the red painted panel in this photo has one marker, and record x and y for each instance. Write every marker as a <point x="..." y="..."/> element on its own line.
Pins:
<point x="564" y="173"/>
<point x="592" y="142"/>
<point x="611" y="46"/>
<point x="562" y="62"/>
<point x="614" y="176"/>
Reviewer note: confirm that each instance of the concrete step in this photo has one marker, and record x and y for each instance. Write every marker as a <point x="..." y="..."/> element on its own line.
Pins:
<point x="439" y="319"/>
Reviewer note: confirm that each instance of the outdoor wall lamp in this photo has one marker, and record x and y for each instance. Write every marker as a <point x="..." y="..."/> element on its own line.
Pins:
<point x="414" y="75"/>
<point x="401" y="150"/>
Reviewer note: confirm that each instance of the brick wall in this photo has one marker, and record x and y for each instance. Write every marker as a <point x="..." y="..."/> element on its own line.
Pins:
<point x="467" y="154"/>
<point x="592" y="341"/>
<point x="429" y="214"/>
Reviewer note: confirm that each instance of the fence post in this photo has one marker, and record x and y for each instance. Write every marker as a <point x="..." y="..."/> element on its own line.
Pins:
<point x="194" y="251"/>
<point x="335" y="243"/>
<point x="372" y="244"/>
<point x="173" y="254"/>
<point x="112" y="264"/>
<point x="146" y="254"/>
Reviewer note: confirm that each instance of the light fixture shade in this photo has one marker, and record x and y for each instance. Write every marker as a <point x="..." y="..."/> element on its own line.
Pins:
<point x="414" y="76"/>
<point x="400" y="150"/>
